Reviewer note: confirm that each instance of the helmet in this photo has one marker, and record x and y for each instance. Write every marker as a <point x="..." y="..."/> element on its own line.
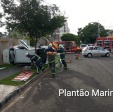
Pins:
<point x="61" y="46"/>
<point x="50" y="45"/>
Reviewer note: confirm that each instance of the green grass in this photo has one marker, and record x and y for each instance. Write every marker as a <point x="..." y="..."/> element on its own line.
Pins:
<point x="8" y="80"/>
<point x="8" y="66"/>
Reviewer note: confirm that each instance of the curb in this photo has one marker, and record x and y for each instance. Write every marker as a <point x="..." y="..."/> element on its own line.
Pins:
<point x="21" y="88"/>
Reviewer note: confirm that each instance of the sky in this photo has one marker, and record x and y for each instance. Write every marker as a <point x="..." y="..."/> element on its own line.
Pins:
<point x="82" y="12"/>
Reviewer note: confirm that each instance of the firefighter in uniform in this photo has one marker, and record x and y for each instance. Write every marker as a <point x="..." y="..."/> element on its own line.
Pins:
<point x="51" y="58"/>
<point x="35" y="59"/>
<point x="62" y="56"/>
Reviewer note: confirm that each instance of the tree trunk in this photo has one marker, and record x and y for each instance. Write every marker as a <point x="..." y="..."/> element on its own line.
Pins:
<point x="52" y="37"/>
<point x="35" y="43"/>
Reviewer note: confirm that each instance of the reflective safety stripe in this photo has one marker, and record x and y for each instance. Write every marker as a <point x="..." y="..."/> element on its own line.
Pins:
<point x="63" y="59"/>
<point x="57" y="58"/>
<point x="37" y="57"/>
<point x="53" y="73"/>
<point x="32" y="57"/>
<point x="62" y="53"/>
<point x="52" y="61"/>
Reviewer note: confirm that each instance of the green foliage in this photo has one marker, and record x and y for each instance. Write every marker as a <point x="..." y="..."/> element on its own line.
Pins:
<point x="15" y="34"/>
<point x="32" y="17"/>
<point x="8" y="66"/>
<point x="70" y="37"/>
<point x="8" y="80"/>
<point x="1" y="23"/>
<point x="90" y="32"/>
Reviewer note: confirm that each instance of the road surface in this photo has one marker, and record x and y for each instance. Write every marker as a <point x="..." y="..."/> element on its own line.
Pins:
<point x="87" y="86"/>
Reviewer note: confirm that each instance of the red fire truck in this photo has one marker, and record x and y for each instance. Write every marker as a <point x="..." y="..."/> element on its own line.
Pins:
<point x="69" y="46"/>
<point x="105" y="42"/>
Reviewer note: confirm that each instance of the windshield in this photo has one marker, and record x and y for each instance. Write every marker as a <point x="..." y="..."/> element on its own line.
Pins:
<point x="83" y="45"/>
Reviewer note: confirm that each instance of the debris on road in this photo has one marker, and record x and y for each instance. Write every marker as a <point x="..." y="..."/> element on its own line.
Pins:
<point x="25" y="75"/>
<point x="68" y="61"/>
<point x="77" y="56"/>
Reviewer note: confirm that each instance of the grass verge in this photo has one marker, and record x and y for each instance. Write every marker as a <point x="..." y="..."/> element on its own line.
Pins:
<point x="8" y="80"/>
<point x="8" y="66"/>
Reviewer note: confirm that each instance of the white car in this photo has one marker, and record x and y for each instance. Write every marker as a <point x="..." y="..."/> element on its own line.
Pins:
<point x="17" y="54"/>
<point x="90" y="51"/>
<point x="83" y="46"/>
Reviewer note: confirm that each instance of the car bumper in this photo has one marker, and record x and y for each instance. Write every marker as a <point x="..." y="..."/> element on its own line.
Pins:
<point x="84" y="54"/>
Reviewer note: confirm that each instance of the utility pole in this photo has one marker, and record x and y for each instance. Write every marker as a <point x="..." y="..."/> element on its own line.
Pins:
<point x="98" y="30"/>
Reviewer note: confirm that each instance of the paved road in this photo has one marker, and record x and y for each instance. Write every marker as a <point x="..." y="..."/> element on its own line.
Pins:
<point x="90" y="74"/>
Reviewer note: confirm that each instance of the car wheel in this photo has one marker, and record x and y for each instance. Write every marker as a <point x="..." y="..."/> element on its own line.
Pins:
<point x="89" y="55"/>
<point x="107" y="55"/>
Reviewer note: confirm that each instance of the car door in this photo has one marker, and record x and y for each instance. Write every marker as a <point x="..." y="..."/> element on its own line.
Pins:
<point x="101" y="51"/>
<point x="95" y="51"/>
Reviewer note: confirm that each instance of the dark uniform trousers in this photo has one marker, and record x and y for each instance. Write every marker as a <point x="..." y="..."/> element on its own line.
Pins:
<point x="37" y="60"/>
<point x="62" y="56"/>
<point x="51" y="61"/>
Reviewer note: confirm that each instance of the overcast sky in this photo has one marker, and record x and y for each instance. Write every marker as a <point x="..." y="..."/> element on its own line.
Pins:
<point x="82" y="12"/>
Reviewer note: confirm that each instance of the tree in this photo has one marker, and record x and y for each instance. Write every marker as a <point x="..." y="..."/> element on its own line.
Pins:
<point x="90" y="32"/>
<point x="32" y="17"/>
<point x="1" y="34"/>
<point x="70" y="37"/>
<point x="1" y="23"/>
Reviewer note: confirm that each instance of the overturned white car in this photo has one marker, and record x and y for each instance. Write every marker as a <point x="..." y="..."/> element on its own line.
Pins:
<point x="16" y="55"/>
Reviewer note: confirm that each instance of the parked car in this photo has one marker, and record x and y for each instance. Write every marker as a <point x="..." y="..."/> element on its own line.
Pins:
<point x="90" y="51"/>
<point x="90" y="44"/>
<point x="83" y="46"/>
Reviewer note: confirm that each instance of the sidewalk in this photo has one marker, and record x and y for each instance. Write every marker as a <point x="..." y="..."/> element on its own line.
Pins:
<point x="7" y="92"/>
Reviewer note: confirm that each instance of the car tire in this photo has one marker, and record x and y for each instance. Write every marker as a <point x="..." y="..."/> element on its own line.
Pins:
<point x="89" y="55"/>
<point x="107" y="55"/>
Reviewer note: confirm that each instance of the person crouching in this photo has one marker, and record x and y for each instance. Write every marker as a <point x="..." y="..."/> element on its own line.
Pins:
<point x="35" y="59"/>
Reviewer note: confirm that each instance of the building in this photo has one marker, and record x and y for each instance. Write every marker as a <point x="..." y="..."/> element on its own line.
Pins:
<point x="110" y="33"/>
<point x="60" y="31"/>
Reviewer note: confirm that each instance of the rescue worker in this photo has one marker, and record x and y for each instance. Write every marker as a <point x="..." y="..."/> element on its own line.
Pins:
<point x="51" y="58"/>
<point x="62" y="56"/>
<point x="35" y="59"/>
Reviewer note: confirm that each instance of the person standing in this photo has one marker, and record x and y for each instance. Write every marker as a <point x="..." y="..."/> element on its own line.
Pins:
<point x="35" y="59"/>
<point x="51" y="58"/>
<point x="62" y="56"/>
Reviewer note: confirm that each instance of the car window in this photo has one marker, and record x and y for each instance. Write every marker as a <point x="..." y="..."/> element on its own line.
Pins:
<point x="99" y="48"/>
<point x="90" y="48"/>
<point x="95" y="48"/>
<point x="83" y="45"/>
